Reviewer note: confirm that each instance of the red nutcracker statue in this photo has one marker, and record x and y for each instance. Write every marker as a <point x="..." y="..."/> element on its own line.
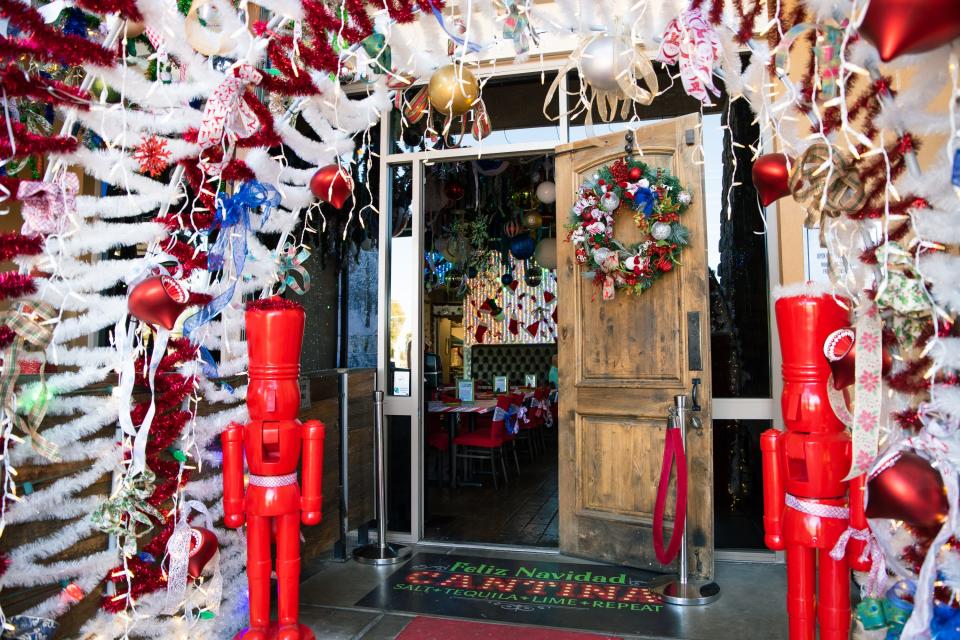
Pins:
<point x="273" y="505"/>
<point x="806" y="509"/>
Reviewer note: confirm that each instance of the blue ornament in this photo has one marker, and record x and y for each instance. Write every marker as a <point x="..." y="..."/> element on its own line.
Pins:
<point x="146" y="557"/>
<point x="472" y="272"/>
<point x="76" y="23"/>
<point x="506" y="279"/>
<point x="522" y="246"/>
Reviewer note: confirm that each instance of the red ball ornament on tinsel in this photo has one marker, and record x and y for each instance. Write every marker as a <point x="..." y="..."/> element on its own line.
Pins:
<point x="512" y="228"/>
<point x="840" y="350"/>
<point x="771" y="177"/>
<point x="332" y="184"/>
<point x="158" y="300"/>
<point x="909" y="489"/>
<point x="454" y="190"/>
<point x="898" y="27"/>
<point x="634" y="174"/>
<point x="203" y="546"/>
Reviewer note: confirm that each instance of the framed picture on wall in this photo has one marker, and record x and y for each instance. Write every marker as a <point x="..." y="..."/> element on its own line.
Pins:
<point x="500" y="384"/>
<point x="530" y="380"/>
<point x="465" y="390"/>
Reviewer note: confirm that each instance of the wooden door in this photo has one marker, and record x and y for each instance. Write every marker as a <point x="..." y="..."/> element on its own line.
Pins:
<point x="622" y="362"/>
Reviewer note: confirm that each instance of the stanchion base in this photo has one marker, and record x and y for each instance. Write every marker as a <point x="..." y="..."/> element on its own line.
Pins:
<point x="271" y="633"/>
<point x="693" y="592"/>
<point x="377" y="555"/>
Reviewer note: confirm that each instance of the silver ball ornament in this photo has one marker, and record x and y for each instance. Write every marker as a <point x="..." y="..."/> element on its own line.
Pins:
<point x="603" y="61"/>
<point x="609" y="202"/>
<point x="660" y="230"/>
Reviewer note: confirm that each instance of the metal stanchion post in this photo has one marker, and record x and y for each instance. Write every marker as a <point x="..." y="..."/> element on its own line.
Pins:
<point x="683" y="589"/>
<point x="381" y="552"/>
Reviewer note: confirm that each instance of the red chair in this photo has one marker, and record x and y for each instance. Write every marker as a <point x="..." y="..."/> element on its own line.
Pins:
<point x="531" y="425"/>
<point x="486" y="443"/>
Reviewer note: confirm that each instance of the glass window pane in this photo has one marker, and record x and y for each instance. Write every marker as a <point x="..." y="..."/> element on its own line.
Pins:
<point x="737" y="256"/>
<point x="404" y="290"/>
<point x="514" y="105"/>
<point x="738" y="483"/>
<point x="398" y="473"/>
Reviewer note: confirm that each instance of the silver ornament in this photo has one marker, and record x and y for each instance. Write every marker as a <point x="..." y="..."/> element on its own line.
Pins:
<point x="660" y="230"/>
<point x="603" y="61"/>
<point x="609" y="202"/>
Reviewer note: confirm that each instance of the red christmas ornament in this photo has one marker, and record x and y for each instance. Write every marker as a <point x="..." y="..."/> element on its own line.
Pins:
<point x="908" y="489"/>
<point x="152" y="155"/>
<point x="453" y="190"/>
<point x="512" y="228"/>
<point x="898" y="27"/>
<point x="203" y="546"/>
<point x="72" y="593"/>
<point x="771" y="177"/>
<point x="332" y="184"/>
<point x="158" y="300"/>
<point x="841" y="353"/>
<point x="634" y="174"/>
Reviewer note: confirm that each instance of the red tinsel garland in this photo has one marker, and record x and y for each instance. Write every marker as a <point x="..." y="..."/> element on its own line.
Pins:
<point x="126" y="8"/>
<point x="274" y="303"/>
<point x="14" y="243"/>
<point x="46" y="42"/>
<point x="19" y="84"/>
<point x="30" y="144"/>
<point x="16" y="285"/>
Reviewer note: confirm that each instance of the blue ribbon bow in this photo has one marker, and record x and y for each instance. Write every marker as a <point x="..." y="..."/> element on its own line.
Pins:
<point x="644" y="199"/>
<point x="471" y="46"/>
<point x="232" y="218"/>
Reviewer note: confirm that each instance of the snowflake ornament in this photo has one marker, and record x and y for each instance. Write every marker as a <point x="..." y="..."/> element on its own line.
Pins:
<point x="153" y="156"/>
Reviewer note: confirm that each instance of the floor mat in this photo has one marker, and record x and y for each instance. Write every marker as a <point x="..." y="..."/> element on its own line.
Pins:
<point x="589" y="597"/>
<point x="423" y="628"/>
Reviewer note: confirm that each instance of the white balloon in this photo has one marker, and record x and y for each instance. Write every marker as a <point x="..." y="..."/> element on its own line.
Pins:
<point x="603" y="61"/>
<point x="547" y="192"/>
<point x="546" y="253"/>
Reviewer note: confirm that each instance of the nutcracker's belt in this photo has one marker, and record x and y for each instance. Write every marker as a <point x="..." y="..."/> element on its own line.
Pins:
<point x="273" y="481"/>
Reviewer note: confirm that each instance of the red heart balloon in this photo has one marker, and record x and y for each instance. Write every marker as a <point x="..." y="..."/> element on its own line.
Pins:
<point x="332" y="184"/>
<point x="203" y="545"/>
<point x="898" y="27"/>
<point x="771" y="177"/>
<point x="908" y="489"/>
<point x="840" y="350"/>
<point x="158" y="300"/>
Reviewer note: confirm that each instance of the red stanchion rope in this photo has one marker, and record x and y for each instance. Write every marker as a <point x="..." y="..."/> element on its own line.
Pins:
<point x="673" y="454"/>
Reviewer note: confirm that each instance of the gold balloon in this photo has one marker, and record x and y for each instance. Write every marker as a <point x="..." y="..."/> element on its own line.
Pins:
<point x="207" y="38"/>
<point x="532" y="219"/>
<point x="453" y="90"/>
<point x="134" y="29"/>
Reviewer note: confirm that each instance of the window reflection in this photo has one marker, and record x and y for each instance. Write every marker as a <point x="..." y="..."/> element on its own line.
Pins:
<point x="404" y="290"/>
<point x="737" y="257"/>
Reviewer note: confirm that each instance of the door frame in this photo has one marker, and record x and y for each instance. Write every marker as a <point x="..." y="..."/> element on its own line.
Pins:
<point x="742" y="408"/>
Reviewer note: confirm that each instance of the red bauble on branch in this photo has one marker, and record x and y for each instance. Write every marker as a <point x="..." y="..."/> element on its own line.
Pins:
<point x="771" y="177"/>
<point x="332" y="184"/>
<point x="898" y="27"/>
<point x="203" y="546"/>
<point x="908" y="489"/>
<point x="158" y="300"/>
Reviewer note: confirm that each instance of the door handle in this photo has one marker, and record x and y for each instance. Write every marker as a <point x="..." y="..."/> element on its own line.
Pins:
<point x="695" y="395"/>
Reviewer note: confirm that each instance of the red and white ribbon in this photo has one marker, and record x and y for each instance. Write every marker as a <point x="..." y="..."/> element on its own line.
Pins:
<point x="47" y="206"/>
<point x="871" y="552"/>
<point x="869" y="391"/>
<point x="817" y="508"/>
<point x="226" y="115"/>
<point x="691" y="41"/>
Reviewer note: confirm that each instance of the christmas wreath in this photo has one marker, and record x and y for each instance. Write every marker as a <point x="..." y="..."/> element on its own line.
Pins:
<point x="657" y="200"/>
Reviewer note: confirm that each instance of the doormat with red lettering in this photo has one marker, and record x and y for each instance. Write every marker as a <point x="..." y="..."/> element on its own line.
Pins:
<point x="532" y="591"/>
<point x="424" y="628"/>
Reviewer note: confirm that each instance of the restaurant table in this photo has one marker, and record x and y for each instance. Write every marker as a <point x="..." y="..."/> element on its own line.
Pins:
<point x="478" y="407"/>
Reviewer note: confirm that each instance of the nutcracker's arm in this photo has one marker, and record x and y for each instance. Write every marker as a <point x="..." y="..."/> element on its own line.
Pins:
<point x="771" y="444"/>
<point x="311" y="494"/>
<point x="232" y="441"/>
<point x="858" y="521"/>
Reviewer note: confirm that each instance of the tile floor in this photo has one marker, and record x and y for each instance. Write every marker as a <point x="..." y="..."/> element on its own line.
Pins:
<point x="752" y="605"/>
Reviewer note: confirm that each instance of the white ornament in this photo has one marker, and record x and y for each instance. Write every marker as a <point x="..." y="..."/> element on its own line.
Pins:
<point x="610" y="201"/>
<point x="660" y="230"/>
<point x="684" y="197"/>
<point x="547" y="192"/>
<point x="546" y="252"/>
<point x="607" y="259"/>
<point x="636" y="262"/>
<point x="596" y="228"/>
<point x="603" y="61"/>
<point x="643" y="183"/>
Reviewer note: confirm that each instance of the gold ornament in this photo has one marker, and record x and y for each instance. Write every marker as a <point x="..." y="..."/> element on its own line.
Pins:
<point x="453" y="90"/>
<point x="134" y="29"/>
<point x="203" y="28"/>
<point x="532" y="219"/>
